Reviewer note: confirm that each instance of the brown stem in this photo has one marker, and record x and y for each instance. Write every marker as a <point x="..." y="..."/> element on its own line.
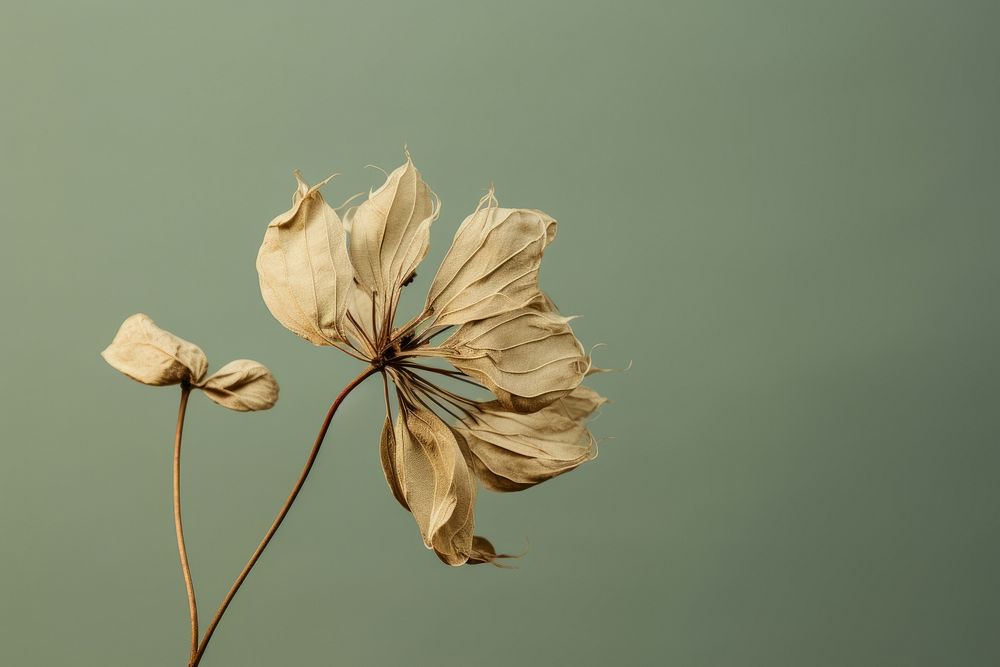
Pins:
<point x="281" y="514"/>
<point x="178" y="525"/>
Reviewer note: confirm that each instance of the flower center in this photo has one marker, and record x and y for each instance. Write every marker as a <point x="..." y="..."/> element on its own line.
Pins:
<point x="385" y="358"/>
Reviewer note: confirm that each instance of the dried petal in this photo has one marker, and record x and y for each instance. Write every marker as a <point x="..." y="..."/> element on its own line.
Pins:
<point x="513" y="451"/>
<point x="390" y="234"/>
<point x="242" y="385"/>
<point x="305" y="273"/>
<point x="492" y="265"/>
<point x="151" y="355"/>
<point x="387" y="454"/>
<point x="436" y="482"/>
<point x="526" y="357"/>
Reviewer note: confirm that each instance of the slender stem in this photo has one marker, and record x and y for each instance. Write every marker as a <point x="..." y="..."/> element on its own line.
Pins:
<point x="281" y="514"/>
<point x="178" y="525"/>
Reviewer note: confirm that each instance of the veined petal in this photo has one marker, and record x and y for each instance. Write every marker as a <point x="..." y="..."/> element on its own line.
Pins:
<point x="390" y="234"/>
<point x="304" y="269"/>
<point x="243" y="385"/>
<point x="388" y="452"/>
<point x="492" y="265"/>
<point x="436" y="483"/>
<point x="148" y="354"/>
<point x="513" y="451"/>
<point x="527" y="357"/>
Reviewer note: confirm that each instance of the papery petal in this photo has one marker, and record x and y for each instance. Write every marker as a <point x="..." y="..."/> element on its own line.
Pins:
<point x="148" y="354"/>
<point x="526" y="357"/>
<point x="387" y="454"/>
<point x="436" y="483"/>
<point x="243" y="385"/>
<point x="492" y="265"/>
<point x="513" y="451"/>
<point x="390" y="234"/>
<point x="305" y="273"/>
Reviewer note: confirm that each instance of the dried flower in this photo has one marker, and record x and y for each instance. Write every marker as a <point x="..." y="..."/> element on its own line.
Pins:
<point x="148" y="354"/>
<point x="337" y="283"/>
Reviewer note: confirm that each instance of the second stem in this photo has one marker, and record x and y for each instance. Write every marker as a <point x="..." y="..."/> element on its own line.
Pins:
<point x="281" y="514"/>
<point x="178" y="525"/>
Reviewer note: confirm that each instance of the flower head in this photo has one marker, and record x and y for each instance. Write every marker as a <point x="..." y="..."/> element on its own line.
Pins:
<point x="337" y="282"/>
<point x="151" y="355"/>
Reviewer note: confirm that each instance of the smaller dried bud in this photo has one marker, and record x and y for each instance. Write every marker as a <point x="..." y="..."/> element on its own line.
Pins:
<point x="148" y="354"/>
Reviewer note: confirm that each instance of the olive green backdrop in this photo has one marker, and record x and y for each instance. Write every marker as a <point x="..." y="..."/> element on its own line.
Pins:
<point x="785" y="214"/>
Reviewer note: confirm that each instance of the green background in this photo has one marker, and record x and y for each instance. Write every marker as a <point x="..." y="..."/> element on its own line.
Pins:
<point x="785" y="214"/>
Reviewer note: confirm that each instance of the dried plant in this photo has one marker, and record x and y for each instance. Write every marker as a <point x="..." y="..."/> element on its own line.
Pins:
<point x="337" y="282"/>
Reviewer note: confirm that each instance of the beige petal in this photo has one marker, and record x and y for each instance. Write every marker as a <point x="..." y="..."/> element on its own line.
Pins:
<point x="387" y="454"/>
<point x="436" y="483"/>
<point x="492" y="265"/>
<point x="513" y="451"/>
<point x="305" y="274"/>
<point x="242" y="385"/>
<point x="526" y="357"/>
<point x="390" y="234"/>
<point x="151" y="355"/>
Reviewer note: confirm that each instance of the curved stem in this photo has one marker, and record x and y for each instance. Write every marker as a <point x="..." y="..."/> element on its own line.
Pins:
<point x="178" y="525"/>
<point x="281" y="514"/>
